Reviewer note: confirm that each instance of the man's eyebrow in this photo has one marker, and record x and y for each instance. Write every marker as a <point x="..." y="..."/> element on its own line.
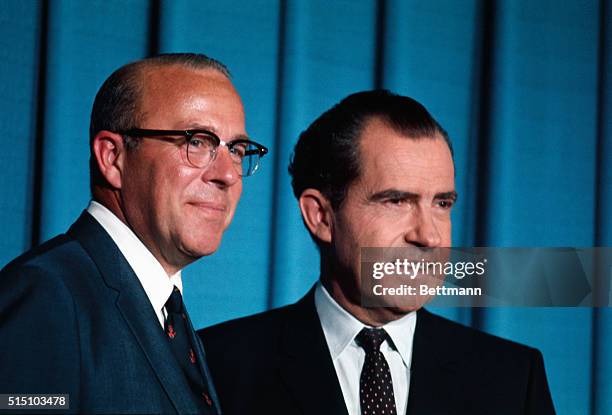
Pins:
<point x="452" y="195"/>
<point x="405" y="195"/>
<point x="197" y="126"/>
<point x="392" y="194"/>
<point x="212" y="129"/>
<point x="241" y="137"/>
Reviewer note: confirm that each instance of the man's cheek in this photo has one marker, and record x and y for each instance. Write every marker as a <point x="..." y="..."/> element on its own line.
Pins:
<point x="370" y="221"/>
<point x="445" y="230"/>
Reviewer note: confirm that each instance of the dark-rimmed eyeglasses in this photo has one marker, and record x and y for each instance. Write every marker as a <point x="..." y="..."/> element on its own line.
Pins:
<point x="202" y="147"/>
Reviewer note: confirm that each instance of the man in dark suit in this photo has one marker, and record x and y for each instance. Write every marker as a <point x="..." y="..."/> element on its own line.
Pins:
<point x="97" y="313"/>
<point x="376" y="170"/>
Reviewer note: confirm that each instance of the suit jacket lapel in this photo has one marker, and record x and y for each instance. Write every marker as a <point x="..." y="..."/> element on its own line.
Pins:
<point x="135" y="308"/>
<point x="433" y="373"/>
<point x="305" y="362"/>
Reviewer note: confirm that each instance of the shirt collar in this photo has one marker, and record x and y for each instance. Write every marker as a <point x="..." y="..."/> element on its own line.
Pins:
<point x="340" y="327"/>
<point x="401" y="332"/>
<point x="152" y="276"/>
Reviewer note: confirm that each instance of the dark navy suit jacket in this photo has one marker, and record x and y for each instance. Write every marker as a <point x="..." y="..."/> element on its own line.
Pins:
<point x="278" y="363"/>
<point x="74" y="319"/>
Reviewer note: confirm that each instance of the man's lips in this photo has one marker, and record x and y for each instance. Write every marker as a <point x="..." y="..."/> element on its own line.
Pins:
<point x="211" y="206"/>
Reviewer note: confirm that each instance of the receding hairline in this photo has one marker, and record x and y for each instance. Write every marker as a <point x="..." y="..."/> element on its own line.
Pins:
<point x="436" y="133"/>
<point x="144" y="70"/>
<point x="149" y="69"/>
<point x="387" y="122"/>
<point x="148" y="66"/>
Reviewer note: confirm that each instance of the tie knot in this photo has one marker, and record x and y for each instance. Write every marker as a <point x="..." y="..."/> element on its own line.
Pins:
<point x="175" y="302"/>
<point x="371" y="339"/>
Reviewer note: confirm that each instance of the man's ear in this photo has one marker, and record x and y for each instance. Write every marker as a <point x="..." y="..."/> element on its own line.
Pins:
<point x="317" y="213"/>
<point x="108" y="149"/>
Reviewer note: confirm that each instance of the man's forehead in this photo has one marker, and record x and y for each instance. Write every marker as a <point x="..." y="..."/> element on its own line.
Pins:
<point x="381" y="143"/>
<point x="389" y="159"/>
<point x="190" y="93"/>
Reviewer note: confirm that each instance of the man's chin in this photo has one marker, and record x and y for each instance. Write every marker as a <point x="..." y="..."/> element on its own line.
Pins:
<point x="401" y="307"/>
<point x="402" y="311"/>
<point x="384" y="315"/>
<point x="197" y="249"/>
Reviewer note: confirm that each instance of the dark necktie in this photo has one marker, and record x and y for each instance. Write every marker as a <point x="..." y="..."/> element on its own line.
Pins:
<point x="178" y="330"/>
<point x="375" y="385"/>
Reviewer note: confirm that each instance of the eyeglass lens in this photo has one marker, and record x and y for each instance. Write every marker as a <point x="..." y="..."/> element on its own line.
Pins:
<point x="201" y="149"/>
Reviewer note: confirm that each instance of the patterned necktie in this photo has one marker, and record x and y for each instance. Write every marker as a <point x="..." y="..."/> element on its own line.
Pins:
<point x="375" y="385"/>
<point x="177" y="328"/>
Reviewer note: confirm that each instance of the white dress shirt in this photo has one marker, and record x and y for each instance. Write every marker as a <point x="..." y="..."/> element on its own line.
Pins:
<point x="157" y="284"/>
<point x="341" y="328"/>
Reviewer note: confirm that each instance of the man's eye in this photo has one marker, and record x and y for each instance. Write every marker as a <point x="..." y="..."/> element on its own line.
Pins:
<point x="445" y="204"/>
<point x="196" y="142"/>
<point x="199" y="142"/>
<point x="396" y="201"/>
<point x="239" y="150"/>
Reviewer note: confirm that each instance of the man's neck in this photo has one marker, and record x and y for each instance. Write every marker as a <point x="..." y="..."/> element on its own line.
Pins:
<point x="351" y="302"/>
<point x="112" y="201"/>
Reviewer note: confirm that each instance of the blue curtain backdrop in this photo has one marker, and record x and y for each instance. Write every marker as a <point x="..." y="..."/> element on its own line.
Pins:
<point x="523" y="87"/>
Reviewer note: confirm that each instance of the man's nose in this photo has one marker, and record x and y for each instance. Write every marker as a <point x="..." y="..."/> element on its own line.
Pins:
<point x="423" y="231"/>
<point x="222" y="170"/>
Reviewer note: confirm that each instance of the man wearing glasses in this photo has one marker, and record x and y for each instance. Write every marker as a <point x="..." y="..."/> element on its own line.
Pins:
<point x="97" y="313"/>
